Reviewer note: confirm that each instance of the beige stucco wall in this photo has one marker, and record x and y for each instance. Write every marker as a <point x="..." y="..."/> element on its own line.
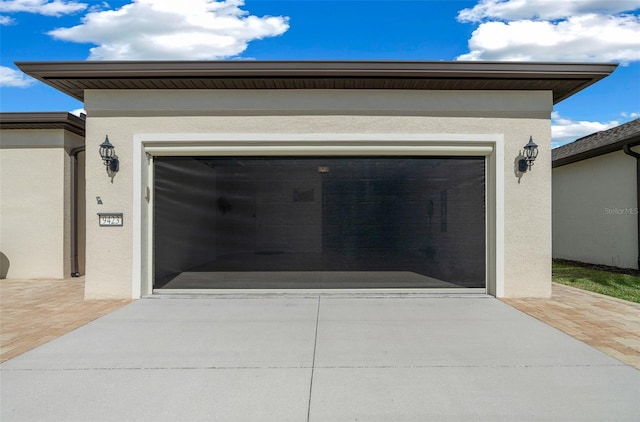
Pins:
<point x="594" y="211"/>
<point x="35" y="202"/>
<point x="81" y="215"/>
<point x="516" y="115"/>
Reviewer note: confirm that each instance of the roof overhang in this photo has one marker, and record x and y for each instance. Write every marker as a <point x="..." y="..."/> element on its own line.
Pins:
<point x="563" y="79"/>
<point x="596" y="152"/>
<point x="50" y="120"/>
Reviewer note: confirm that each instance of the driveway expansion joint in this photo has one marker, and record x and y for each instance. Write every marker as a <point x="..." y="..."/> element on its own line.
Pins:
<point x="347" y="367"/>
<point x="313" y="360"/>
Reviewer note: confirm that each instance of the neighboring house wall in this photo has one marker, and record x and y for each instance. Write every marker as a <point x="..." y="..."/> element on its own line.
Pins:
<point x="595" y="211"/>
<point x="35" y="210"/>
<point x="81" y="215"/>
<point x="125" y="115"/>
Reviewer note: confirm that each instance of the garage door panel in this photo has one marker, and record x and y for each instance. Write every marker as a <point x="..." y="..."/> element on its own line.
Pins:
<point x="340" y="217"/>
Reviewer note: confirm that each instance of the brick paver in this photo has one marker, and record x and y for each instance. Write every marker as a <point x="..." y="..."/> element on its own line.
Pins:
<point x="33" y="312"/>
<point x="608" y="324"/>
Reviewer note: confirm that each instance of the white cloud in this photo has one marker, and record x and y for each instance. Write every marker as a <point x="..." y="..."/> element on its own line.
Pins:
<point x="543" y="9"/>
<point x="6" y="20"/>
<point x="564" y="130"/>
<point x="78" y="112"/>
<point x="169" y="29"/>
<point x="631" y="115"/>
<point x="42" y="7"/>
<point x="579" y="38"/>
<point x="551" y="30"/>
<point x="13" y="78"/>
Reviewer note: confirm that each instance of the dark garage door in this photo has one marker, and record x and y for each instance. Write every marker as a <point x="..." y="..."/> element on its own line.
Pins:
<point x="319" y="222"/>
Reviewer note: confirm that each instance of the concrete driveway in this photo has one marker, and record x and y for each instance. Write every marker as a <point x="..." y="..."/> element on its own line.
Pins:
<point x="318" y="359"/>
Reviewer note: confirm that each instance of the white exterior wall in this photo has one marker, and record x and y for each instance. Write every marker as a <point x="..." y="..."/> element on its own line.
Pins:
<point x="35" y="209"/>
<point x="594" y="211"/>
<point x="128" y="115"/>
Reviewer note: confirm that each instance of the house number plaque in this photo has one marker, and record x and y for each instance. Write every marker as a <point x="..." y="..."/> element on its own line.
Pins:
<point x="110" y="219"/>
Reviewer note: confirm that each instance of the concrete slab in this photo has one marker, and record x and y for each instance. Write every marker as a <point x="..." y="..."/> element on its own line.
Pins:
<point x="475" y="394"/>
<point x="155" y="395"/>
<point x="187" y="333"/>
<point x="319" y="359"/>
<point x="437" y="332"/>
<point x="278" y="280"/>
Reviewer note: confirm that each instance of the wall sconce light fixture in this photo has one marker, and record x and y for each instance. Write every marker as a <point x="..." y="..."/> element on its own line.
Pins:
<point x="530" y="153"/>
<point x="107" y="152"/>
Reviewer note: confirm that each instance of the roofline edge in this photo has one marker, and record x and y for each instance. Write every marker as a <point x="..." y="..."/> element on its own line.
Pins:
<point x="70" y="122"/>
<point x="596" y="152"/>
<point x="49" y="72"/>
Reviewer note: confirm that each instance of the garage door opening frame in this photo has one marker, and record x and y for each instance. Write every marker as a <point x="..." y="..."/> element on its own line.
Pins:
<point x="147" y="146"/>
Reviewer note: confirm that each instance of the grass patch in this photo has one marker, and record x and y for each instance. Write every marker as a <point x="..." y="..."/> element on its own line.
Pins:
<point x="622" y="284"/>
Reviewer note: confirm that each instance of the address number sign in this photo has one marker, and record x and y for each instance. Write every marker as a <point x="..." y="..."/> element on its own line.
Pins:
<point x="110" y="219"/>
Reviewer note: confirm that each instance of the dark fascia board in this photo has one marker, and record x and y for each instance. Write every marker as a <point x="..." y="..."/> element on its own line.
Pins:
<point x="50" y="72"/>
<point x="43" y="120"/>
<point x="606" y="149"/>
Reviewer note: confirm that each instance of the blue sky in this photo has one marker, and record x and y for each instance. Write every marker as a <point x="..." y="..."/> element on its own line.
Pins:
<point x="528" y="30"/>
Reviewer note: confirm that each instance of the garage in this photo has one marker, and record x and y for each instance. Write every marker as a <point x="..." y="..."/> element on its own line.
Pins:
<point x="319" y="222"/>
<point x="278" y="177"/>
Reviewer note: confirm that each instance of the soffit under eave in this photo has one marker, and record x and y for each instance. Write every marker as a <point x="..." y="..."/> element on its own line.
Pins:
<point x="563" y="79"/>
<point x="42" y="121"/>
<point x="561" y="88"/>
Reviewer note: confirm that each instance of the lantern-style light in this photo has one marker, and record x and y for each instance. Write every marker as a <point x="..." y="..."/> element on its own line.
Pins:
<point x="109" y="158"/>
<point x="530" y="153"/>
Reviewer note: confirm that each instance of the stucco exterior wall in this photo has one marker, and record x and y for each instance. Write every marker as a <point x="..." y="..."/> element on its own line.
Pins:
<point x="594" y="211"/>
<point x="516" y="115"/>
<point x="34" y="202"/>
<point x="82" y="204"/>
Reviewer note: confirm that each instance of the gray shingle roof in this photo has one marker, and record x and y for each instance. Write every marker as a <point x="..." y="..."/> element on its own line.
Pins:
<point x="598" y="143"/>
